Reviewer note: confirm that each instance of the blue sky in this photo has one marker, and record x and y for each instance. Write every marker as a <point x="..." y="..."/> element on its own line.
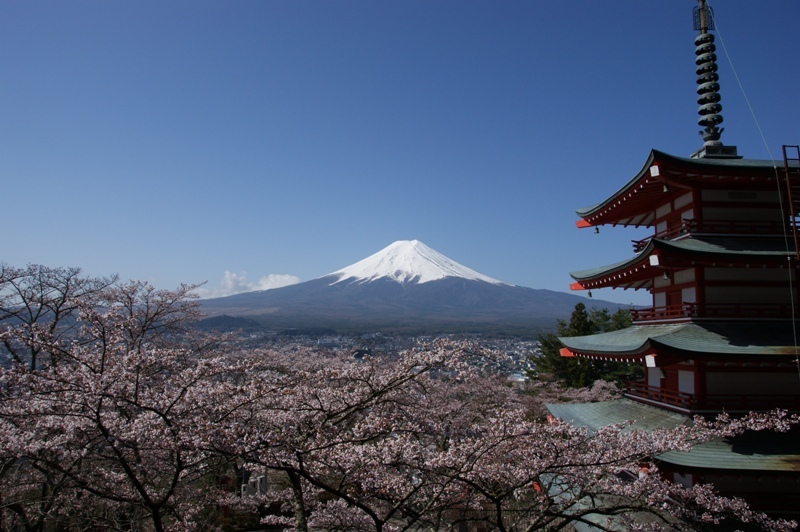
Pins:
<point x="175" y="141"/>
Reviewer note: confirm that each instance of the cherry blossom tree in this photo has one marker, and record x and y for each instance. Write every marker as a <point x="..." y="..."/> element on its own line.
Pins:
<point x="539" y="393"/>
<point x="118" y="428"/>
<point x="523" y="475"/>
<point x="344" y="429"/>
<point x="43" y="300"/>
<point x="123" y="416"/>
<point x="426" y="441"/>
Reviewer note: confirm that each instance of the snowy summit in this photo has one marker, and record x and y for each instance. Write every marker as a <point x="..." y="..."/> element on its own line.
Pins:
<point x="408" y="261"/>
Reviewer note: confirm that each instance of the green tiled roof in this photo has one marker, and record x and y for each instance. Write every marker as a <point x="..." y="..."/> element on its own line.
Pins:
<point x="773" y="338"/>
<point x="604" y="270"/>
<point x="622" y="342"/>
<point x="722" y="164"/>
<point x="695" y="339"/>
<point x="699" y="165"/>
<point x="754" y="451"/>
<point x="770" y="246"/>
<point x="596" y="415"/>
<point x="701" y="247"/>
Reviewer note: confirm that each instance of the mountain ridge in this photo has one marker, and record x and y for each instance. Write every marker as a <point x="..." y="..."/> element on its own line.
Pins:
<point x="408" y="261"/>
<point x="406" y="284"/>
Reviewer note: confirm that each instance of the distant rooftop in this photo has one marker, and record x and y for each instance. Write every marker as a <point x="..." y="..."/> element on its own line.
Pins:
<point x="767" y="451"/>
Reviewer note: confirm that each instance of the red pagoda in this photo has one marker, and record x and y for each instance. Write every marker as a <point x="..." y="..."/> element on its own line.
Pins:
<point x="722" y="267"/>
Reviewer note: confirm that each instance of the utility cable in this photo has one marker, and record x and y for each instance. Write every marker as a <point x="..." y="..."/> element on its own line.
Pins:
<point x="780" y="196"/>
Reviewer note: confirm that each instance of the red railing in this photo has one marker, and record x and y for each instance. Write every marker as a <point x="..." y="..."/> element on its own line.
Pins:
<point x="718" y="227"/>
<point x="711" y="402"/>
<point x="640" y="390"/>
<point x="713" y="310"/>
<point x="674" y="312"/>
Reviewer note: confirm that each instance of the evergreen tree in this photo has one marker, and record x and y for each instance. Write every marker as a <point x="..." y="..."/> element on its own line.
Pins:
<point x="579" y="373"/>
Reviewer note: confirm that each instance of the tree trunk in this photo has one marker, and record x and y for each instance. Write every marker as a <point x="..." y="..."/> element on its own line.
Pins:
<point x="300" y="517"/>
<point x="158" y="523"/>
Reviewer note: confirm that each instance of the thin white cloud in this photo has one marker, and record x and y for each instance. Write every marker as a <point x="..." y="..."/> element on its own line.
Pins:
<point x="237" y="283"/>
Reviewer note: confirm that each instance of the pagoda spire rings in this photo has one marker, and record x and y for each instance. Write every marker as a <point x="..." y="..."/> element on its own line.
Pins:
<point x="707" y="88"/>
<point x="707" y="78"/>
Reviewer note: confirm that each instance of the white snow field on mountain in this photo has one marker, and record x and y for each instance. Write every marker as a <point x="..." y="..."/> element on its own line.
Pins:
<point x="407" y="286"/>
<point x="408" y="261"/>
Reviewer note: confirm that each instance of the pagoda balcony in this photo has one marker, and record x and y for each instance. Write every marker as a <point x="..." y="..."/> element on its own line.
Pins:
<point x="708" y="403"/>
<point x="716" y="227"/>
<point x="667" y="313"/>
<point x="690" y="311"/>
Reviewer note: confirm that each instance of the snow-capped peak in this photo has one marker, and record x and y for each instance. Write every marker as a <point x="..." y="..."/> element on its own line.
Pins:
<point x="408" y="261"/>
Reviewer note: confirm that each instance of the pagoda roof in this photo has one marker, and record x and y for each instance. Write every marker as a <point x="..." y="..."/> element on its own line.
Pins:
<point x="760" y="451"/>
<point x="686" y="341"/>
<point x="636" y="201"/>
<point x="592" y="416"/>
<point x="638" y="271"/>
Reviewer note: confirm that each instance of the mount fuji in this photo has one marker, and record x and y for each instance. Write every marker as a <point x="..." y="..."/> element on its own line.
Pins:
<point x="405" y="287"/>
<point x="408" y="261"/>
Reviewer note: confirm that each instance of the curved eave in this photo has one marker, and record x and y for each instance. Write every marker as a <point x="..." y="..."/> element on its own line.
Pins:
<point x="659" y="256"/>
<point x="634" y="273"/>
<point x="618" y="203"/>
<point x="632" y="344"/>
<point x="668" y="343"/>
<point x="635" y="203"/>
